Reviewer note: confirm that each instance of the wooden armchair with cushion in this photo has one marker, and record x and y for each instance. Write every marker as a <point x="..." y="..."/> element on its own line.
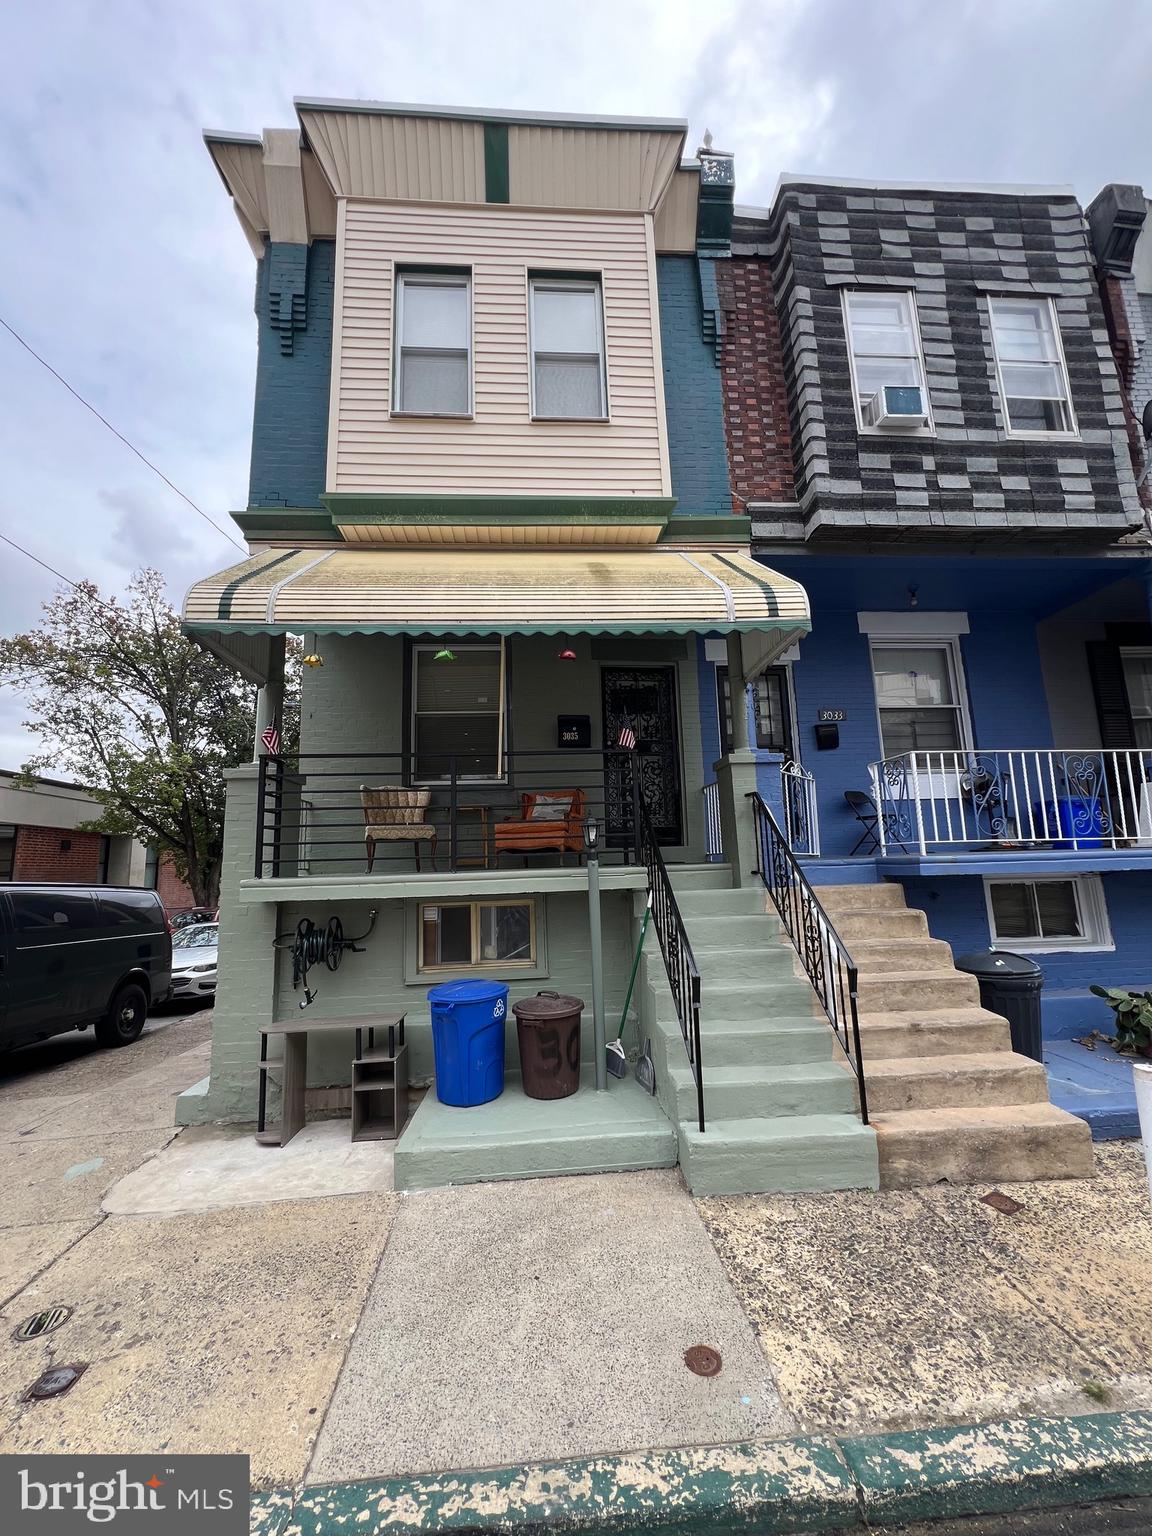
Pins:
<point x="548" y="823"/>
<point x="393" y="814"/>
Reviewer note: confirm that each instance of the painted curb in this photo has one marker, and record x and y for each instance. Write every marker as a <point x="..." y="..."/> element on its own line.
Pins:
<point x="812" y="1483"/>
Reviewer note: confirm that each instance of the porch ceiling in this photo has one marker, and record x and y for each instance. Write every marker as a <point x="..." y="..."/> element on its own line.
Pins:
<point x="401" y="591"/>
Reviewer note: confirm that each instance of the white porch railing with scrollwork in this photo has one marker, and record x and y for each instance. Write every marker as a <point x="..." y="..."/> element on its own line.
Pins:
<point x="1014" y="797"/>
<point x="713" y="832"/>
<point x="801" y="817"/>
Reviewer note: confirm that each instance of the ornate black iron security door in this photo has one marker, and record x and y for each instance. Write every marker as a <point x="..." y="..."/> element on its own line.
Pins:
<point x="645" y="699"/>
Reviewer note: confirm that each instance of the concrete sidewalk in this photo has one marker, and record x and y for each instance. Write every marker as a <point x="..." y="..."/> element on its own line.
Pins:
<point x="283" y="1303"/>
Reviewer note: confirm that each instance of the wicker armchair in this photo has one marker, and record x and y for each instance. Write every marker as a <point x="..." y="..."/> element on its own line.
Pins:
<point x="393" y="814"/>
<point x="539" y="829"/>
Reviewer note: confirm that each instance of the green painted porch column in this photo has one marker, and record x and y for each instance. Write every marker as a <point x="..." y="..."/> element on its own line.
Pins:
<point x="736" y="776"/>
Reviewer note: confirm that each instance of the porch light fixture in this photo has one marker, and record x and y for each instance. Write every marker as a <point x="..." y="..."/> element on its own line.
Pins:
<point x="913" y="595"/>
<point x="566" y="654"/>
<point x="591" y="831"/>
<point x="314" y="659"/>
<point x="444" y="654"/>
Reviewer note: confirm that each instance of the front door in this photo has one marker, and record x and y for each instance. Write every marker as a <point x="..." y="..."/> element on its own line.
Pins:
<point x="645" y="699"/>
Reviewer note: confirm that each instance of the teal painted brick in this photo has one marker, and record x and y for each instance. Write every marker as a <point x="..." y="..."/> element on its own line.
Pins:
<point x="290" y="422"/>
<point x="692" y="394"/>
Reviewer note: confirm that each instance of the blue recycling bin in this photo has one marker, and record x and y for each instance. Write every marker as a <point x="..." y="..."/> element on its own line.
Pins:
<point x="1079" y="819"/>
<point x="468" y="1040"/>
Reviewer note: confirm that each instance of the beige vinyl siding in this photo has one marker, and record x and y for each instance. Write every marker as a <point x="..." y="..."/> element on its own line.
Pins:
<point x="241" y="164"/>
<point x="676" y="216"/>
<point x="553" y="167"/>
<point x="500" y="451"/>
<point x="366" y="154"/>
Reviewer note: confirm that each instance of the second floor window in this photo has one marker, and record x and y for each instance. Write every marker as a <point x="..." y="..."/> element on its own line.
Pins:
<point x="1030" y="361"/>
<point x="433" y="344"/>
<point x="884" y="344"/>
<point x="567" y="349"/>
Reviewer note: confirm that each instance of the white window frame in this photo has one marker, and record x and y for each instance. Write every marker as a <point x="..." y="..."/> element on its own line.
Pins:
<point x="580" y="283"/>
<point x="1073" y="432"/>
<point x="935" y="642"/>
<point x="929" y="428"/>
<point x="1091" y="905"/>
<point x="427" y="278"/>
<point x="500" y="776"/>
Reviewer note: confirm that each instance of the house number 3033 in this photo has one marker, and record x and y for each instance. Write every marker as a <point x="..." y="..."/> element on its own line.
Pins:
<point x="831" y="716"/>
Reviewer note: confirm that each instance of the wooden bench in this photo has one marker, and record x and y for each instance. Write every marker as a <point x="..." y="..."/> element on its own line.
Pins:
<point x="384" y="1073"/>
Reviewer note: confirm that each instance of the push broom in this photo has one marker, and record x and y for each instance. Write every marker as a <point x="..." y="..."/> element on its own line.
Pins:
<point x="617" y="1058"/>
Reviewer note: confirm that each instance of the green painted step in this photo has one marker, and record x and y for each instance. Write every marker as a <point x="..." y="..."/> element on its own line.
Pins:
<point x="751" y="965"/>
<point x="794" y="1154"/>
<point x="731" y="930"/>
<point x="745" y="900"/>
<point x="762" y="998"/>
<point x="700" y="877"/>
<point x="748" y="1092"/>
<point x="750" y="1043"/>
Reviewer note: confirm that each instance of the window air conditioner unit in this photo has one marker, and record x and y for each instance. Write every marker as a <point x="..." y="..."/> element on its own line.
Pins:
<point x="895" y="406"/>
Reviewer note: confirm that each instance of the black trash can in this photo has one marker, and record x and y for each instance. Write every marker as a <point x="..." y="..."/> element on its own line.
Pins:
<point x="1010" y="985"/>
<point x="548" y="1028"/>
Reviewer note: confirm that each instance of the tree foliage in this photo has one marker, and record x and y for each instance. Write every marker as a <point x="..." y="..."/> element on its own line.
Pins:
<point x="147" y="721"/>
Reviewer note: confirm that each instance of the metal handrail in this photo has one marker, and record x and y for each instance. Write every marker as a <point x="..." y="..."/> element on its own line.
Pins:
<point x="679" y="962"/>
<point x="823" y="954"/>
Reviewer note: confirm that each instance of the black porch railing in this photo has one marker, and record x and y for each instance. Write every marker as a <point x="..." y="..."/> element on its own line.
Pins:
<point x="826" y="961"/>
<point x="343" y="813"/>
<point x="679" y="961"/>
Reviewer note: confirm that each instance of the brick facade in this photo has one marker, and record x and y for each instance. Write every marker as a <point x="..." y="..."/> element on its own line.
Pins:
<point x="295" y="285"/>
<point x="171" y="890"/>
<point x="754" y="386"/>
<point x="951" y="250"/>
<point x="56" y="854"/>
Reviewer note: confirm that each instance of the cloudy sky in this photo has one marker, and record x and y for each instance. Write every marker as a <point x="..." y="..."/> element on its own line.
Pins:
<point x="121" y="262"/>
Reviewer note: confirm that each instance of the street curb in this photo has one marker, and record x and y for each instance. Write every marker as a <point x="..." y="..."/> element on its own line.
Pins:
<point x="812" y="1483"/>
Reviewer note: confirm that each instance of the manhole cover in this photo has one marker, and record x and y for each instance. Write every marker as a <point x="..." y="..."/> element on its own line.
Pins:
<point x="703" y="1359"/>
<point x="1002" y="1203"/>
<point x="43" y="1322"/>
<point x="53" y="1382"/>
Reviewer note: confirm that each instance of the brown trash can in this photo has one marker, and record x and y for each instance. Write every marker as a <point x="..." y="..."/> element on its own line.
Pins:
<point x="548" y="1028"/>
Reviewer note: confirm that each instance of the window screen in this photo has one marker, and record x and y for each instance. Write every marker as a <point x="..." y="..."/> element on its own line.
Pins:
<point x="457" y="712"/>
<point x="433" y="326"/>
<point x="884" y="343"/>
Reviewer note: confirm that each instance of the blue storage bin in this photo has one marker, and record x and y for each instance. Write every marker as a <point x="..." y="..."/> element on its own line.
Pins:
<point x="468" y="1040"/>
<point x="1076" y="818"/>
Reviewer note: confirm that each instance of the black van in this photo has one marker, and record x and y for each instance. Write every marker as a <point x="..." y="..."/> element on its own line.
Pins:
<point x="74" y="955"/>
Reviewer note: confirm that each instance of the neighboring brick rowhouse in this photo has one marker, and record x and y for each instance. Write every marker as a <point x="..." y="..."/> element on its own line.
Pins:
<point x="294" y="363"/>
<point x="171" y="890"/>
<point x="56" y="854"/>
<point x="755" y="389"/>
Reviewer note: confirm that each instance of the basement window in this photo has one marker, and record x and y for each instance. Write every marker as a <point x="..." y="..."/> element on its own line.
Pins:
<point x="1048" y="914"/>
<point x="488" y="935"/>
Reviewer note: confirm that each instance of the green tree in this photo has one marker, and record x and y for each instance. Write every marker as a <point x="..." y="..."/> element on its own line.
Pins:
<point x="147" y="721"/>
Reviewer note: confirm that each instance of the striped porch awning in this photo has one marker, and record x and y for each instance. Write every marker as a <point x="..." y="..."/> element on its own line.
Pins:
<point x="410" y="592"/>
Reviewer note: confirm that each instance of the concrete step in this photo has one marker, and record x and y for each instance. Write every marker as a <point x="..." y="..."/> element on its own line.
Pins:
<point x="953" y="1082"/>
<point x="700" y="877"/>
<point x="744" y="900"/>
<point x="995" y="1144"/>
<point x="882" y="923"/>
<point x="731" y="931"/>
<point x="755" y="1043"/>
<point x="919" y="954"/>
<point x="916" y="991"/>
<point x="931" y="1032"/>
<point x="754" y="964"/>
<point x="861" y="898"/>
<point x="795" y="1154"/>
<point x="764" y="999"/>
<point x="748" y="1092"/>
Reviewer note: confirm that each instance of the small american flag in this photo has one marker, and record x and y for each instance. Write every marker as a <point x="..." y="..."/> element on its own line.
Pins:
<point x="271" y="738"/>
<point x="627" y="736"/>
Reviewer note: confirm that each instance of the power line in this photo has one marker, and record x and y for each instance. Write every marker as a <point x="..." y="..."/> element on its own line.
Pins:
<point x="16" y="336"/>
<point x="60" y="576"/>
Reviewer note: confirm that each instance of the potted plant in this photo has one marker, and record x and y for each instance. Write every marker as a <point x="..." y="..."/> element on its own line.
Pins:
<point x="1133" y="1012"/>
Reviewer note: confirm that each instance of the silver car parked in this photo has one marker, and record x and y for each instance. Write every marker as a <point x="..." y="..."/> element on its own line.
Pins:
<point x="194" y="962"/>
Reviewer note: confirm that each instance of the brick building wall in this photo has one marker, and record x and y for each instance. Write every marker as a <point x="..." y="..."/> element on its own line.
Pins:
<point x="754" y="387"/>
<point x="692" y="397"/>
<point x="55" y="853"/>
<point x="293" y="373"/>
<point x="171" y="890"/>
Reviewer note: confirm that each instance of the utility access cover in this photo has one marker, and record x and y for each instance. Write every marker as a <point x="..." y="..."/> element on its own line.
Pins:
<point x="703" y="1360"/>
<point x="40" y="1323"/>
